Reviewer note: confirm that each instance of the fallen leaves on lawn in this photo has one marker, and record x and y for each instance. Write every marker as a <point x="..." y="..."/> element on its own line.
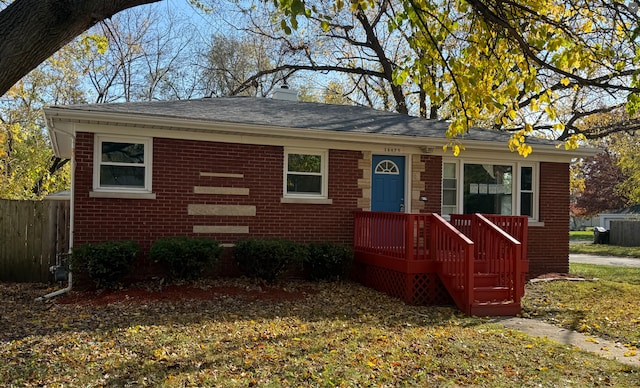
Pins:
<point x="236" y="333"/>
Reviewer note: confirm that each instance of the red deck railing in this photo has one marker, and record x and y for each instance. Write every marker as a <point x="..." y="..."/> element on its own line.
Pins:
<point x="496" y="251"/>
<point x="400" y="236"/>
<point x="453" y="252"/>
<point x="422" y="258"/>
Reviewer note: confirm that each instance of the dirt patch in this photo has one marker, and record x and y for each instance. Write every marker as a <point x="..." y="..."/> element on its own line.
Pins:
<point x="554" y="276"/>
<point x="202" y="290"/>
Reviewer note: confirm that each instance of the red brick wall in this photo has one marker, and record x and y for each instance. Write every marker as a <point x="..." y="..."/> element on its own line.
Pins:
<point x="176" y="170"/>
<point x="548" y="247"/>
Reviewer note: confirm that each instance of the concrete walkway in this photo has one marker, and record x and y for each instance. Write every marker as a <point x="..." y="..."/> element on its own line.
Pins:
<point x="599" y="346"/>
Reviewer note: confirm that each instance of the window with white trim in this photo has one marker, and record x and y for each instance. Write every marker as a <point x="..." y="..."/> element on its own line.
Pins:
<point x="122" y="164"/>
<point x="489" y="188"/>
<point x="449" y="189"/>
<point x="305" y="174"/>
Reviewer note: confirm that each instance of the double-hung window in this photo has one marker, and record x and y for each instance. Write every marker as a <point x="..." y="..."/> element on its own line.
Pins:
<point x="122" y="164"/>
<point x="489" y="188"/>
<point x="305" y="174"/>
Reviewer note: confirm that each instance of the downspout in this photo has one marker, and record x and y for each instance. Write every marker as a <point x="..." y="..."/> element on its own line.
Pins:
<point x="71" y="223"/>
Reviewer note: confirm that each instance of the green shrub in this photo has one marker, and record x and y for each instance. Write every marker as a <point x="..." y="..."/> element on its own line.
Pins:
<point x="105" y="263"/>
<point x="186" y="257"/>
<point x="327" y="261"/>
<point x="267" y="258"/>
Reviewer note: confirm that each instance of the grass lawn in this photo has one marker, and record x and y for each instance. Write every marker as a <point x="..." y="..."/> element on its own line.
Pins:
<point x="581" y="242"/>
<point x="605" y="250"/>
<point x="581" y="235"/>
<point x="324" y="335"/>
<point x="608" y="307"/>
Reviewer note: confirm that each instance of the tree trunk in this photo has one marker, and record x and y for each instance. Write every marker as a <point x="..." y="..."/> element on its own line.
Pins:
<point x="33" y="30"/>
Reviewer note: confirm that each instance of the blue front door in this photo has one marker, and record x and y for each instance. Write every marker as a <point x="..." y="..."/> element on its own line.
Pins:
<point x="387" y="183"/>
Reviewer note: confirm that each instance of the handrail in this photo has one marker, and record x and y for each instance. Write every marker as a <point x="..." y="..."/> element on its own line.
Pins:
<point x="455" y="254"/>
<point x="497" y="251"/>
<point x="516" y="226"/>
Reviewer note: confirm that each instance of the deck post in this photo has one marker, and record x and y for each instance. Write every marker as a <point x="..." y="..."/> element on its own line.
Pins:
<point x="470" y="270"/>
<point x="408" y="255"/>
<point x="409" y="236"/>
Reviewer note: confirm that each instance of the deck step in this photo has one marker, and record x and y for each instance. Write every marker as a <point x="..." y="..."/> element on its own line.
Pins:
<point x="489" y="294"/>
<point x="484" y="279"/>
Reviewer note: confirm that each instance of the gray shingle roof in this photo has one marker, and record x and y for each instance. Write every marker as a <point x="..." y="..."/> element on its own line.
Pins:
<point x="288" y="114"/>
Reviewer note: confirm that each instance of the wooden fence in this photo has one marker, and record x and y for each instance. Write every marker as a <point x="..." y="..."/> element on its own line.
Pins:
<point x="32" y="234"/>
<point x="625" y="233"/>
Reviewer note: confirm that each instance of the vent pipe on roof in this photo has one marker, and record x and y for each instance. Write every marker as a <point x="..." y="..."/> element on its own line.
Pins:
<point x="284" y="93"/>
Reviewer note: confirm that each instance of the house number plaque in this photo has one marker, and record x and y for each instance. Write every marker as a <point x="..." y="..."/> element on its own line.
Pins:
<point x="393" y="150"/>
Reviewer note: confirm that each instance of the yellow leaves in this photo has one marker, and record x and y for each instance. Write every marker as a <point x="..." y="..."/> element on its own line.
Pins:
<point x="160" y="354"/>
<point x="518" y="143"/>
<point x="99" y="42"/>
<point x="457" y="127"/>
<point x="455" y="146"/>
<point x="573" y="142"/>
<point x="551" y="112"/>
<point x="565" y="81"/>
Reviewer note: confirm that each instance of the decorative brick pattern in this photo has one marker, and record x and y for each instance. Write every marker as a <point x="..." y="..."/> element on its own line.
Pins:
<point x="364" y="181"/>
<point x="178" y="167"/>
<point x="221" y="210"/>
<point x="417" y="183"/>
<point x="221" y="190"/>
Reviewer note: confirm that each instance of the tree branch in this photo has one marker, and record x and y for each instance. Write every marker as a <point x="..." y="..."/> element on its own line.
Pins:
<point x="33" y="30"/>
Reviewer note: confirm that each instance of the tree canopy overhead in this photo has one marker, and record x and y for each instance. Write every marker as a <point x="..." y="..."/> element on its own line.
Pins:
<point x="520" y="66"/>
<point x="529" y="67"/>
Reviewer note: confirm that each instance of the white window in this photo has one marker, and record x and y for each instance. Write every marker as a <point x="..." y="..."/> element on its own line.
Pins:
<point x="449" y="189"/>
<point x="305" y="173"/>
<point x="489" y="188"/>
<point x="122" y="164"/>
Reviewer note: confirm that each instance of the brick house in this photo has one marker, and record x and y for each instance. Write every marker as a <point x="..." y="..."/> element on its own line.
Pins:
<point x="230" y="168"/>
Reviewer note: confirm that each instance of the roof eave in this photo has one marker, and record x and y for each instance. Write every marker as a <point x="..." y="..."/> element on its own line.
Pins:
<point x="62" y="121"/>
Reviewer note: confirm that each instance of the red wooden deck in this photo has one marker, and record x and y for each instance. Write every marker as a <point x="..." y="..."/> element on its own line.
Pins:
<point x="478" y="262"/>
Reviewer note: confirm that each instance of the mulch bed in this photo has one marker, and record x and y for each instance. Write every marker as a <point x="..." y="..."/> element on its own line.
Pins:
<point x="200" y="290"/>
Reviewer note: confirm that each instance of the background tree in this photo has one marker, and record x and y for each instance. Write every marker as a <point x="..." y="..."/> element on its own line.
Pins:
<point x="131" y="57"/>
<point x="28" y="168"/>
<point x="149" y="56"/>
<point x="230" y="60"/>
<point x="602" y="192"/>
<point x="351" y="47"/>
